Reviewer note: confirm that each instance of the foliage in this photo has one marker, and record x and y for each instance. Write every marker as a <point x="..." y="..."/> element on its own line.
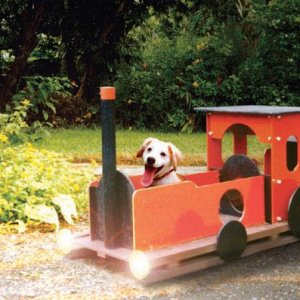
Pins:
<point x="43" y="93"/>
<point x="246" y="54"/>
<point x="174" y="74"/>
<point x="35" y="184"/>
<point x="90" y="37"/>
<point x="31" y="181"/>
<point x="48" y="48"/>
<point x="13" y="127"/>
<point x="21" y="22"/>
<point x="170" y="55"/>
<point x="271" y="74"/>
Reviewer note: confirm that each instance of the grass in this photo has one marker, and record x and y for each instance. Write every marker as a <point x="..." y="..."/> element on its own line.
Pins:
<point x="84" y="145"/>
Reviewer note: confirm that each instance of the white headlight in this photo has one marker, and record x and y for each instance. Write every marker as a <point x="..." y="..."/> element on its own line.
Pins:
<point x="139" y="265"/>
<point x="65" y="240"/>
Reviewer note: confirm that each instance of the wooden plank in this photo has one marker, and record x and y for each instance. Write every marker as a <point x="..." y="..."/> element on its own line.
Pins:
<point x="80" y="252"/>
<point x="208" y="245"/>
<point x="97" y="246"/>
<point x="192" y="256"/>
<point x="262" y="231"/>
<point x="185" y="251"/>
<point x="268" y="244"/>
<point x="180" y="252"/>
<point x="182" y="269"/>
<point x="189" y="257"/>
<point x="201" y="263"/>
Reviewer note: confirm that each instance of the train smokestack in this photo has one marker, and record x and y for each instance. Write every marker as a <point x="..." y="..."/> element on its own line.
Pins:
<point x="110" y="199"/>
<point x="108" y="96"/>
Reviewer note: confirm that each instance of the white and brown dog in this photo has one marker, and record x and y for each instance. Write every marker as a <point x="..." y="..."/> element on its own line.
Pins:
<point x="160" y="160"/>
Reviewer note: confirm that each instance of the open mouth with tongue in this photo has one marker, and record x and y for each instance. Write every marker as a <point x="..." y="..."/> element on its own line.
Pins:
<point x="149" y="175"/>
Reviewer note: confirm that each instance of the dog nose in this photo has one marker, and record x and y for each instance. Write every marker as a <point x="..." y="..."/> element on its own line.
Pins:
<point x="150" y="160"/>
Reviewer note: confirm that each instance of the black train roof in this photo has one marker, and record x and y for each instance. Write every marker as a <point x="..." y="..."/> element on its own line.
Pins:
<point x="251" y="109"/>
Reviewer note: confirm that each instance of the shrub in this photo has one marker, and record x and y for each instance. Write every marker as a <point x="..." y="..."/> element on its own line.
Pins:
<point x="271" y="74"/>
<point x="43" y="94"/>
<point x="15" y="128"/>
<point x="13" y="125"/>
<point x="35" y="184"/>
<point x="250" y="57"/>
<point x="176" y="73"/>
<point x="31" y="179"/>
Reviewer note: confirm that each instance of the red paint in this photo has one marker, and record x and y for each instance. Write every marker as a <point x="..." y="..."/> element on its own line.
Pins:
<point x="174" y="214"/>
<point x="107" y="93"/>
<point x="274" y="131"/>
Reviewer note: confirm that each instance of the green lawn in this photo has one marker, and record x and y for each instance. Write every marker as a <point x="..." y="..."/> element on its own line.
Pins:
<point x="83" y="145"/>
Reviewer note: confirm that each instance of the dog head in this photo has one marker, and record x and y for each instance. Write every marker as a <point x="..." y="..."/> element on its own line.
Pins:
<point x="159" y="158"/>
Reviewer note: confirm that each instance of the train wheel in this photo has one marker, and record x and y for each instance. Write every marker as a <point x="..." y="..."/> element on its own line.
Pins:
<point x="294" y="213"/>
<point x="231" y="240"/>
<point x="238" y="166"/>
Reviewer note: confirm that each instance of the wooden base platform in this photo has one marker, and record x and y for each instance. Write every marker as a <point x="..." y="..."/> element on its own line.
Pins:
<point x="189" y="257"/>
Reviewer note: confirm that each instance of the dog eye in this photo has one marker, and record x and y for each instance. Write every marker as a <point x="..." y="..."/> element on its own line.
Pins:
<point x="163" y="154"/>
<point x="149" y="149"/>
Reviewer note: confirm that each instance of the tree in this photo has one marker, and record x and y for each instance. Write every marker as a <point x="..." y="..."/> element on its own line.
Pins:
<point x="91" y="31"/>
<point x="21" y="21"/>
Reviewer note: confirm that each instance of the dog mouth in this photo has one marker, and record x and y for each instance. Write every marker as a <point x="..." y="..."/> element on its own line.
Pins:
<point x="149" y="174"/>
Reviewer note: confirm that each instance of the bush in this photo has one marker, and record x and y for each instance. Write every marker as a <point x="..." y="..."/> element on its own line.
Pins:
<point x="250" y="58"/>
<point x="36" y="184"/>
<point x="14" y="127"/>
<point x="31" y="179"/>
<point x="43" y="94"/>
<point x="270" y="76"/>
<point x="176" y="73"/>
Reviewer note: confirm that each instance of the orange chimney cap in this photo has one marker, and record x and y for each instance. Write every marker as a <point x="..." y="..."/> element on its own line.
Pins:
<point x="107" y="93"/>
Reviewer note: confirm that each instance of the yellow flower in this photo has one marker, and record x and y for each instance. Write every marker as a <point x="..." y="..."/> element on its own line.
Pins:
<point x="200" y="46"/>
<point x="195" y="84"/>
<point x="196" y="61"/>
<point x="30" y="147"/>
<point x="3" y="138"/>
<point x="76" y="188"/>
<point x="25" y="102"/>
<point x="24" y="175"/>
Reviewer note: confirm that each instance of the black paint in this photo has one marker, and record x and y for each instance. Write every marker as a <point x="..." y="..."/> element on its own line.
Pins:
<point x="294" y="213"/>
<point x="231" y="240"/>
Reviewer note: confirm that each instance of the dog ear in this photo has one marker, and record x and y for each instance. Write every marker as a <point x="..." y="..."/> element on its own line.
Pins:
<point x="175" y="155"/>
<point x="144" y="146"/>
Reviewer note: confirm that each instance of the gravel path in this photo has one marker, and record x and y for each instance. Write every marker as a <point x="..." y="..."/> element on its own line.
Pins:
<point x="32" y="267"/>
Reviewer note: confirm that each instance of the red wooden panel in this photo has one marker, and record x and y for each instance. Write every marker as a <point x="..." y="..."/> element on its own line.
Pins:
<point x="136" y="181"/>
<point x="200" y="178"/>
<point x="284" y="182"/>
<point x="173" y="214"/>
<point x="240" y="144"/>
<point x="203" y="178"/>
<point x="261" y="125"/>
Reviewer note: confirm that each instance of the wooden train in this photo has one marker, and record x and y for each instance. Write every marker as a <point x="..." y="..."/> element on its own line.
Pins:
<point x="233" y="209"/>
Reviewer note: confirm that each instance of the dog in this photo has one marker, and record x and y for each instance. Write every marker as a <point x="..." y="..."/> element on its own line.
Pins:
<point x="160" y="160"/>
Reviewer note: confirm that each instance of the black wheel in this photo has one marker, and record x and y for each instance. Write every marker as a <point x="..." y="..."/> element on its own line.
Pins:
<point x="231" y="240"/>
<point x="238" y="166"/>
<point x="294" y="213"/>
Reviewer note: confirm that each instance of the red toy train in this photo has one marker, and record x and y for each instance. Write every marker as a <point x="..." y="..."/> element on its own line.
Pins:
<point x="231" y="210"/>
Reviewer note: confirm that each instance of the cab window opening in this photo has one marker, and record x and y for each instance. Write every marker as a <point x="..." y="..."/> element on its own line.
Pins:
<point x="291" y="153"/>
